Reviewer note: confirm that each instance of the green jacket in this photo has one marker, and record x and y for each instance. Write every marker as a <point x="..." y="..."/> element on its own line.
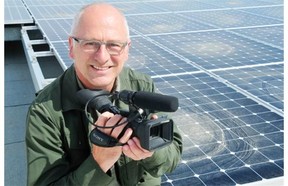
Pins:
<point x="58" y="149"/>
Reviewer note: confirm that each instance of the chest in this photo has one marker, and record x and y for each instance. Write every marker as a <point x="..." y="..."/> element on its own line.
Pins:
<point x="75" y="137"/>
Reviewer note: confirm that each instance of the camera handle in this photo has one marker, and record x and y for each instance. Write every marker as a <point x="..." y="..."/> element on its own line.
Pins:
<point x="103" y="140"/>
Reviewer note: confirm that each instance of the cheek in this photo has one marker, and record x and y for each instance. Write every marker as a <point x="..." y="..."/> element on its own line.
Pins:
<point x="80" y="62"/>
<point x="80" y="57"/>
<point x="119" y="61"/>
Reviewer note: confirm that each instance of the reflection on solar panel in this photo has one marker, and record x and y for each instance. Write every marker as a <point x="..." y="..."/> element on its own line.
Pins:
<point x="223" y="60"/>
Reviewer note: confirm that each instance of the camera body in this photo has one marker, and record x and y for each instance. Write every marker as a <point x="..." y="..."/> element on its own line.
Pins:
<point x="152" y="133"/>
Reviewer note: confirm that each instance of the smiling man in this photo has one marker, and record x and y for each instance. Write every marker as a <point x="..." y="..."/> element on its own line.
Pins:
<point x="99" y="46"/>
<point x="58" y="148"/>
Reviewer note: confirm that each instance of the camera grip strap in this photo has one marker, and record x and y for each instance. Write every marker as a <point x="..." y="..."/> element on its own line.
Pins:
<point x="103" y="140"/>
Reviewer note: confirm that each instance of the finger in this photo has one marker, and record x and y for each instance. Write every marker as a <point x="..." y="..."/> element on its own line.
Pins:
<point x="119" y="126"/>
<point x="114" y="120"/>
<point x="126" y="136"/>
<point x="103" y="118"/>
<point x="135" y="151"/>
<point x="154" y="116"/>
<point x="138" y="144"/>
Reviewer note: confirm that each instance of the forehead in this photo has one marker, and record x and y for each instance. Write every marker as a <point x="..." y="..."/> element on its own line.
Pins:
<point x="98" y="21"/>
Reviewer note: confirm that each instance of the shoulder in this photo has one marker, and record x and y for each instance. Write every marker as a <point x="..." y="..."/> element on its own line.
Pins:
<point x="131" y="79"/>
<point x="49" y="91"/>
<point x="128" y="73"/>
<point x="52" y="95"/>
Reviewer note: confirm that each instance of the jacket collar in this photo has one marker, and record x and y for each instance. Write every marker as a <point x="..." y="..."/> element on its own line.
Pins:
<point x="70" y="86"/>
<point x="69" y="90"/>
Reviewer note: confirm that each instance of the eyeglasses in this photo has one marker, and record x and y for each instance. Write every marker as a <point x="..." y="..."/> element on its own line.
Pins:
<point x="91" y="46"/>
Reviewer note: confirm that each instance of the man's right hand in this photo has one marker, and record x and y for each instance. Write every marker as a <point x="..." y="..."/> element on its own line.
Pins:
<point x="107" y="156"/>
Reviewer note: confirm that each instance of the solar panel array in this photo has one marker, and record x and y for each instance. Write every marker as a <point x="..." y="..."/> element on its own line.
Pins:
<point x="222" y="59"/>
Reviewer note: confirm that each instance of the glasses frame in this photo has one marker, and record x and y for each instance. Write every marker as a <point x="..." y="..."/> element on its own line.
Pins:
<point x="81" y="43"/>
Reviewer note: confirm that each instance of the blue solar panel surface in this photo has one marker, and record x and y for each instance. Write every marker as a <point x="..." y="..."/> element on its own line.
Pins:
<point x="15" y="12"/>
<point x="223" y="60"/>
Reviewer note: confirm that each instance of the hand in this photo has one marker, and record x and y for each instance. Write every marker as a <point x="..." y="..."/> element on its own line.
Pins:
<point x="134" y="150"/>
<point x="107" y="156"/>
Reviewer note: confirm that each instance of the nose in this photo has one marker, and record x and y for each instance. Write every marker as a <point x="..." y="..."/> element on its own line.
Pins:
<point x="102" y="55"/>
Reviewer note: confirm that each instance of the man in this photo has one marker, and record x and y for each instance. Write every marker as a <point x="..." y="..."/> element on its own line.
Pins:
<point x="58" y="149"/>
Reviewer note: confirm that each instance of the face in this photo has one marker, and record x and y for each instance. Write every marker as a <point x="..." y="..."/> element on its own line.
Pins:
<point x="98" y="70"/>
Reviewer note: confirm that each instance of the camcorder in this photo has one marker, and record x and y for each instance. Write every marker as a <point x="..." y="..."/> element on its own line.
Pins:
<point x="152" y="133"/>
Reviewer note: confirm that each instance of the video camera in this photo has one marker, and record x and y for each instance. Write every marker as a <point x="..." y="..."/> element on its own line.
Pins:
<point x="152" y="133"/>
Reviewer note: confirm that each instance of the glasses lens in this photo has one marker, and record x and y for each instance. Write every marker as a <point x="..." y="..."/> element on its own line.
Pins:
<point x="114" y="48"/>
<point x="90" y="46"/>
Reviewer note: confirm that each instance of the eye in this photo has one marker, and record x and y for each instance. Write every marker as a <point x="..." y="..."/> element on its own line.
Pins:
<point x="90" y="44"/>
<point x="114" y="45"/>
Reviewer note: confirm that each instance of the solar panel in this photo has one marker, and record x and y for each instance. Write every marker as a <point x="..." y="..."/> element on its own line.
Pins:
<point x="219" y="49"/>
<point x="164" y="23"/>
<point x="269" y="35"/>
<point x="242" y="3"/>
<point x="55" y="30"/>
<point x="264" y="82"/>
<point x="226" y="133"/>
<point x="223" y="60"/>
<point x="275" y="12"/>
<point x="180" y="6"/>
<point x="54" y="11"/>
<point x="230" y="18"/>
<point x="15" y="12"/>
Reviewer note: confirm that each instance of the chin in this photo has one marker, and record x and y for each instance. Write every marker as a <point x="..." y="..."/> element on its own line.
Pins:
<point x="102" y="85"/>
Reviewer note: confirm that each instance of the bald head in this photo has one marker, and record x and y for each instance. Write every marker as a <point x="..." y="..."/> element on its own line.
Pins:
<point x="101" y="13"/>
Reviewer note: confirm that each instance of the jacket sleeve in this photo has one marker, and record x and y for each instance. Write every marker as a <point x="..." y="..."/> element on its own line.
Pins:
<point x="166" y="159"/>
<point x="46" y="160"/>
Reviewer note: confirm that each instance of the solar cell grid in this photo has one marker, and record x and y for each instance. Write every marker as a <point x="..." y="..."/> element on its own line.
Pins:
<point x="61" y="49"/>
<point x="151" y="59"/>
<point x="56" y="30"/>
<point x="272" y="35"/>
<point x="13" y="3"/>
<point x="273" y="1"/>
<point x="275" y="12"/>
<point x="219" y="49"/>
<point x="241" y="3"/>
<point x="36" y="3"/>
<point x="164" y="23"/>
<point x="133" y="7"/>
<point x="245" y="138"/>
<point x="179" y="6"/>
<point x="54" y="11"/>
<point x="265" y="82"/>
<point x="16" y="13"/>
<point x="230" y="18"/>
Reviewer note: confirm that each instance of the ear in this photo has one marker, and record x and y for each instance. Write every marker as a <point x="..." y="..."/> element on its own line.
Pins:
<point x="129" y="43"/>
<point x="71" y="45"/>
<point x="127" y="50"/>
